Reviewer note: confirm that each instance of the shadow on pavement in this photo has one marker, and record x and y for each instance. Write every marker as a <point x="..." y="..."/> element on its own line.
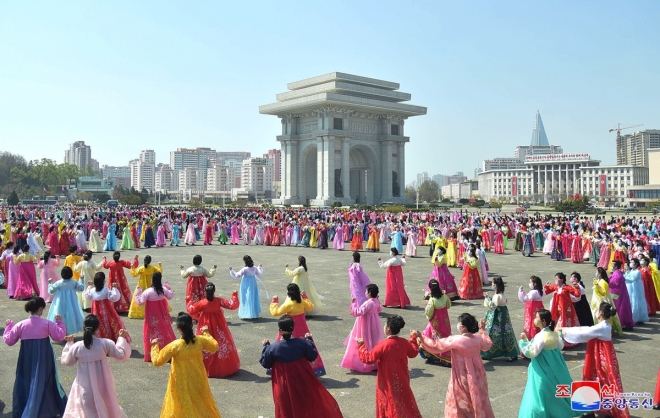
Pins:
<point x="246" y="376"/>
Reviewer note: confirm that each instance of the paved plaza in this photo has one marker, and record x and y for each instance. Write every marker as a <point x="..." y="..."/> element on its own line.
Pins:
<point x="141" y="386"/>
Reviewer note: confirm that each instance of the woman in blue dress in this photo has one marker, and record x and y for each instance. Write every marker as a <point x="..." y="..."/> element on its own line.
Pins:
<point x="248" y="294"/>
<point x="176" y="231"/>
<point x="528" y="248"/>
<point x="635" y="288"/>
<point x="397" y="240"/>
<point x="546" y="371"/>
<point x="65" y="303"/>
<point x="111" y="238"/>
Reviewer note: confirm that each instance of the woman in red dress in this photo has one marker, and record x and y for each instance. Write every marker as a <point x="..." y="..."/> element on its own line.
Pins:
<point x="157" y="319"/>
<point x="118" y="278"/>
<point x="110" y="324"/>
<point x="225" y="361"/>
<point x="394" y="397"/>
<point x="499" y="242"/>
<point x="470" y="285"/>
<point x="395" y="290"/>
<point x="561" y="307"/>
<point x="64" y="242"/>
<point x="277" y="236"/>
<point x="651" y="296"/>
<point x="577" y="255"/>
<point x="356" y="242"/>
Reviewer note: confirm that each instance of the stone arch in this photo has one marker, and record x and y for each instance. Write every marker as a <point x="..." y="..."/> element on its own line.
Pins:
<point x="364" y="172"/>
<point x="308" y="173"/>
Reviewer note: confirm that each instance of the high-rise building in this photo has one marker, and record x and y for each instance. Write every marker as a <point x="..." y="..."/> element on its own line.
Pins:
<point x="143" y="171"/>
<point x="257" y="176"/>
<point x="233" y="155"/>
<point x="422" y="177"/>
<point x="148" y="156"/>
<point x="78" y="154"/>
<point x="218" y="179"/>
<point x="198" y="158"/>
<point x="192" y="179"/>
<point x="539" y="138"/>
<point x="275" y="155"/>
<point x="166" y="179"/>
<point x="455" y="179"/>
<point x="109" y="171"/>
<point x="632" y="149"/>
<point x="523" y="151"/>
<point x="439" y="179"/>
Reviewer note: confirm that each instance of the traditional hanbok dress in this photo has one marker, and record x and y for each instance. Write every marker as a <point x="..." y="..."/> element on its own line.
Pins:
<point x="499" y="329"/>
<point x="64" y="242"/>
<point x="546" y="371"/>
<point x="439" y="326"/>
<point x="126" y="240"/>
<point x="176" y="232"/>
<point x="600" y="361"/>
<point x="37" y="389"/>
<point x="445" y="279"/>
<point x="188" y="392"/>
<point x="655" y="275"/>
<point x="394" y="397"/>
<point x="248" y="294"/>
<point x="47" y="272"/>
<point x="307" y="233"/>
<point x="528" y="245"/>
<point x="582" y="308"/>
<point x="651" y="297"/>
<point x="411" y="247"/>
<point x="637" y="299"/>
<point x="621" y="299"/>
<point x="548" y="245"/>
<point x="160" y="236"/>
<point x="602" y="294"/>
<point x="26" y="284"/>
<point x="470" y="285"/>
<point x="134" y="234"/>
<point x="577" y="256"/>
<point x="81" y="241"/>
<point x="357" y="282"/>
<point x="313" y="237"/>
<point x="87" y="271"/>
<point x="93" y="393"/>
<point x="295" y="237"/>
<point x="117" y="276"/>
<point x="11" y="271"/>
<point x="605" y="253"/>
<point x="296" y="310"/>
<point x="197" y="281"/>
<point x="561" y="306"/>
<point x="384" y="234"/>
<point x="557" y="250"/>
<point x="586" y="248"/>
<point x="225" y="361"/>
<point x="467" y="392"/>
<point x="157" y="320"/>
<point x="395" y="289"/>
<point x="144" y="275"/>
<point x="356" y="241"/>
<point x="397" y="241"/>
<point x="297" y="392"/>
<point x="367" y="326"/>
<point x="65" y="303"/>
<point x="103" y="307"/>
<point x="499" y="242"/>
<point x="95" y="244"/>
<point x="301" y="278"/>
<point x="483" y="266"/>
<point x="533" y="301"/>
<point x="191" y="237"/>
<point x="111" y="239"/>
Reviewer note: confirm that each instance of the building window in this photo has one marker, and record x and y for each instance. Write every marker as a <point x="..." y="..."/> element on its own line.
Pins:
<point x="394" y="129"/>
<point x="338" y="123"/>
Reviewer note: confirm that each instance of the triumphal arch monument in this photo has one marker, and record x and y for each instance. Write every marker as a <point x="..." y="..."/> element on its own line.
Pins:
<point x="342" y="140"/>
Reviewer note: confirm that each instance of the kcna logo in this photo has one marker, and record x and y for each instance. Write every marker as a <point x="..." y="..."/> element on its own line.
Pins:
<point x="591" y="396"/>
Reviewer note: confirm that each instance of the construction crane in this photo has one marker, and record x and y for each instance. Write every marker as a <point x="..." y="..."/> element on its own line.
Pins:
<point x="622" y="157"/>
<point x="618" y="129"/>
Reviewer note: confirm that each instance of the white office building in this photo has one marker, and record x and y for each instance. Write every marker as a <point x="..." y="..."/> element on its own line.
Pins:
<point x="166" y="179"/>
<point x="257" y="176"/>
<point x="191" y="179"/>
<point x="78" y="154"/>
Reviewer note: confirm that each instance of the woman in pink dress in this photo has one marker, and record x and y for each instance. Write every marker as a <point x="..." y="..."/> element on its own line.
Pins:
<point x="338" y="240"/>
<point x="47" y="266"/>
<point x="157" y="320"/>
<point x="395" y="289"/>
<point x="437" y="312"/>
<point x="160" y="236"/>
<point x="117" y="277"/>
<point x="93" y="392"/>
<point x="533" y="301"/>
<point x="441" y="273"/>
<point x="499" y="242"/>
<point x="367" y="326"/>
<point x="357" y="280"/>
<point x="467" y="392"/>
<point x="26" y="283"/>
<point x="577" y="256"/>
<point x="235" y="235"/>
<point x="110" y="324"/>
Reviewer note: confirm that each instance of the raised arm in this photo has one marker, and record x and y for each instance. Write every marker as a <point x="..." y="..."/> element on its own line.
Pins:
<point x="232" y="303"/>
<point x="531" y="349"/>
<point x="69" y="354"/>
<point x="161" y="357"/>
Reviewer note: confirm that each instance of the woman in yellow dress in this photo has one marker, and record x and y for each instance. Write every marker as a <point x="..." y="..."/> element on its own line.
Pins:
<point x="312" y="236"/>
<point x="188" y="391"/>
<point x="452" y="254"/>
<point x="301" y="278"/>
<point x="602" y="294"/>
<point x="144" y="274"/>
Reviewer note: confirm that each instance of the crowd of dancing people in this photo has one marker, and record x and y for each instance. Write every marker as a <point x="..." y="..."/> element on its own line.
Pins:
<point x="67" y="247"/>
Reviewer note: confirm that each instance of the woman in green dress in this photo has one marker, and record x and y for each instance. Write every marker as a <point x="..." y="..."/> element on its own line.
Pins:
<point x="498" y="325"/>
<point x="126" y="240"/>
<point x="546" y="371"/>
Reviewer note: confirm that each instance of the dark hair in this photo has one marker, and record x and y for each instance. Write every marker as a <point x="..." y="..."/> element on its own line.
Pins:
<point x="197" y="260"/>
<point x="147" y="260"/>
<point x="116" y="255"/>
<point x="469" y="322"/>
<point x="651" y="254"/>
<point x="561" y="276"/>
<point x="356" y="257"/>
<point x="546" y="316"/>
<point x="26" y="248"/>
<point x="616" y="265"/>
<point x="47" y="255"/>
<point x="210" y="291"/>
<point x="602" y="274"/>
<point x="248" y="261"/>
<point x="73" y="248"/>
<point x="373" y="290"/>
<point x="395" y="323"/>
<point x="34" y="304"/>
<point x="635" y="260"/>
<point x="286" y="324"/>
<point x="473" y="252"/>
<point x="577" y="277"/>
<point x="157" y="282"/>
<point x="66" y="273"/>
<point x="293" y="291"/>
<point x="9" y="245"/>
<point x="436" y="291"/>
<point x="442" y="250"/>
<point x="395" y="252"/>
<point x="99" y="281"/>
<point x="88" y="255"/>
<point x="91" y="325"/>
<point x="16" y="249"/>
<point x="302" y="262"/>
<point x="184" y="323"/>
<point x="538" y="284"/>
<point x="499" y="285"/>
<point x="607" y="310"/>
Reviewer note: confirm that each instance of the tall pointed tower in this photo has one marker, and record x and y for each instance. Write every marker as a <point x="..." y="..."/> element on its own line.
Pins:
<point x="539" y="138"/>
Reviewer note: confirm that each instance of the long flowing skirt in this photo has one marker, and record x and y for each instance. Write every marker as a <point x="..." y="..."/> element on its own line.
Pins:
<point x="371" y="332"/>
<point x="557" y="251"/>
<point x="395" y="290"/>
<point x="225" y="361"/>
<point x="595" y="307"/>
<point x="248" y="295"/>
<point x="298" y="393"/>
<point x="37" y="389"/>
<point x="499" y="245"/>
<point x="470" y="285"/>
<point x="500" y="331"/>
<point x="528" y="246"/>
<point x="299" y="330"/>
<point x="157" y="324"/>
<point x="601" y="365"/>
<point x="441" y="325"/>
<point x="528" y="320"/>
<point x="577" y="256"/>
<point x="195" y="291"/>
<point x="65" y="303"/>
<point x="27" y="281"/>
<point x="583" y="312"/>
<point x="124" y="302"/>
<point x="446" y="281"/>
<point x="109" y="322"/>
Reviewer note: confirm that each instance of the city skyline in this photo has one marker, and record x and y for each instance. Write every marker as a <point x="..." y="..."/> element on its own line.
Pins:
<point x="172" y="78"/>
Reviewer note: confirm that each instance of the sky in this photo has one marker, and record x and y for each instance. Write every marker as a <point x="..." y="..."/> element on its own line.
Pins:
<point x="127" y="76"/>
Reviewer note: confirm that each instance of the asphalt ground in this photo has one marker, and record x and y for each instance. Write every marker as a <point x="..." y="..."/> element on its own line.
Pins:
<point x="141" y="386"/>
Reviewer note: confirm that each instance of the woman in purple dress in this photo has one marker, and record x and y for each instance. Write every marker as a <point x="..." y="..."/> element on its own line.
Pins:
<point x="357" y="280"/>
<point x="621" y="298"/>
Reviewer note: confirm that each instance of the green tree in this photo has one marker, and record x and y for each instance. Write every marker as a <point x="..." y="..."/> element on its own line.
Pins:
<point x="411" y="193"/>
<point x="429" y="191"/>
<point x="130" y="199"/>
<point x="12" y="200"/>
